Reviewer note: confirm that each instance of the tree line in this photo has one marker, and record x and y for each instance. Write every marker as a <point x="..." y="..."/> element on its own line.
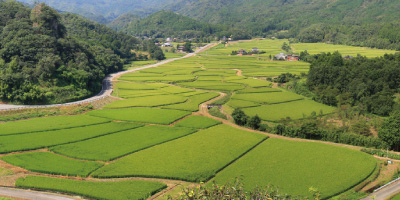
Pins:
<point x="366" y="82"/>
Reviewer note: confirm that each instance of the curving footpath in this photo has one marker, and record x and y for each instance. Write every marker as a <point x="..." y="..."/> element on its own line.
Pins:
<point x="107" y="89"/>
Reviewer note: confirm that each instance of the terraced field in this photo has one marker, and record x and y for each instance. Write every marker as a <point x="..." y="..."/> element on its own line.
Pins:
<point x="282" y="163"/>
<point x="157" y="131"/>
<point x="97" y="190"/>
<point x="188" y="158"/>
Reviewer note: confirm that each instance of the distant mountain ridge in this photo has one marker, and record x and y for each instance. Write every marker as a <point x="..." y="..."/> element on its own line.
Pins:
<point x="103" y="11"/>
<point x="372" y="23"/>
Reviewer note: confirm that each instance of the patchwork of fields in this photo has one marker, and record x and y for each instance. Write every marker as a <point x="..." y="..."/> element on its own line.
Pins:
<point x="152" y="132"/>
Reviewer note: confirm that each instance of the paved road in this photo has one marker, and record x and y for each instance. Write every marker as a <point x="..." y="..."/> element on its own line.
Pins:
<point x="106" y="89"/>
<point x="32" y="195"/>
<point x="386" y="192"/>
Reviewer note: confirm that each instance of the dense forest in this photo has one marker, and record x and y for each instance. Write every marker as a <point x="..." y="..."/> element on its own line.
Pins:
<point x="367" y="83"/>
<point x="165" y="24"/>
<point x="49" y="58"/>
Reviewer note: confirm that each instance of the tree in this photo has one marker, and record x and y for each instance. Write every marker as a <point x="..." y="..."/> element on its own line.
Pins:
<point x="254" y="122"/>
<point x="188" y="47"/>
<point x="239" y="117"/>
<point x="390" y="131"/>
<point x="286" y="47"/>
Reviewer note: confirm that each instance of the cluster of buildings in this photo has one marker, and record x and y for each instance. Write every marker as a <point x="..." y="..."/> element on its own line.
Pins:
<point x="284" y="57"/>
<point x="242" y="52"/>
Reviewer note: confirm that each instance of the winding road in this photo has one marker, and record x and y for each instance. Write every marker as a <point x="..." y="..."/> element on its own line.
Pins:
<point x="107" y="89"/>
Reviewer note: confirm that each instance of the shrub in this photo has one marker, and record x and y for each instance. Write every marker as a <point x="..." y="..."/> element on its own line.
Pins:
<point x="235" y="190"/>
<point x="240" y="117"/>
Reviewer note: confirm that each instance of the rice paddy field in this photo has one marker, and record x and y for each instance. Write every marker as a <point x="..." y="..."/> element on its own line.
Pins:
<point x="273" y="47"/>
<point x="158" y="131"/>
<point x="104" y="148"/>
<point x="117" y="190"/>
<point x="282" y="163"/>
<point x="196" y="157"/>
<point x="49" y="163"/>
<point x="143" y="115"/>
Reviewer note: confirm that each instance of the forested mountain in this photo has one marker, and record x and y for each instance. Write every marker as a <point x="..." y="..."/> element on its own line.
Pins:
<point x="103" y="11"/>
<point x="372" y="23"/>
<point x="49" y="58"/>
<point x="164" y="24"/>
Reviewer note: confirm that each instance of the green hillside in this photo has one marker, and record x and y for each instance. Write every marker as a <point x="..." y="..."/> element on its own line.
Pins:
<point x="166" y="24"/>
<point x="356" y="22"/>
<point x="49" y="58"/>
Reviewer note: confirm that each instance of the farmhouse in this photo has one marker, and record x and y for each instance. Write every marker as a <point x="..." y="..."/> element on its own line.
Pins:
<point x="280" y="56"/>
<point x="255" y="50"/>
<point x="291" y="57"/>
<point x="180" y="48"/>
<point x="167" y="44"/>
<point x="284" y="57"/>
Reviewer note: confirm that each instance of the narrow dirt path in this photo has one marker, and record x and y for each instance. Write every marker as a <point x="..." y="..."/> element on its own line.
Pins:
<point x="238" y="72"/>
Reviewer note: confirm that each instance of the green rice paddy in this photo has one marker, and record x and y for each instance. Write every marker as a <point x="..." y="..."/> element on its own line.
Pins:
<point x="296" y="166"/>
<point x="50" y="163"/>
<point x="198" y="122"/>
<point x="109" y="190"/>
<point x="116" y="145"/>
<point x="49" y="123"/>
<point x="188" y="158"/>
<point x="294" y="110"/>
<point x="144" y="115"/>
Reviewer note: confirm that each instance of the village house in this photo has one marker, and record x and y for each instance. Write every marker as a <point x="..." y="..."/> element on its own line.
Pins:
<point x="180" y="48"/>
<point x="280" y="56"/>
<point x="284" y="57"/>
<point x="255" y="50"/>
<point x="292" y="57"/>
<point x="167" y="45"/>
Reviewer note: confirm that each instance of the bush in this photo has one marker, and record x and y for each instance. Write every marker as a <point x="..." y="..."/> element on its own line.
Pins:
<point x="240" y="117"/>
<point x="381" y="153"/>
<point x="234" y="190"/>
